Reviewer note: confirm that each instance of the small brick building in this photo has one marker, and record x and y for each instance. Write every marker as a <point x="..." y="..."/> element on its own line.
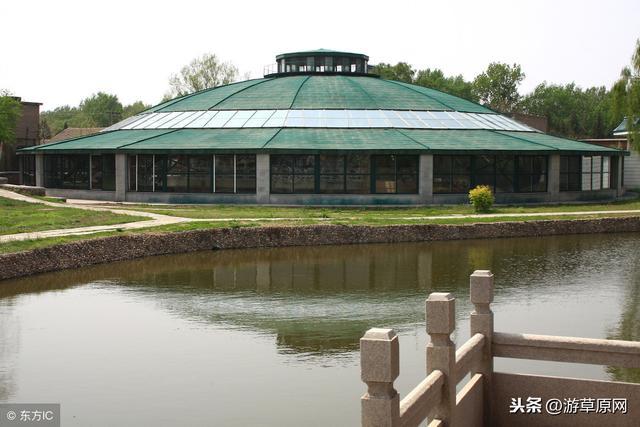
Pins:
<point x="27" y="135"/>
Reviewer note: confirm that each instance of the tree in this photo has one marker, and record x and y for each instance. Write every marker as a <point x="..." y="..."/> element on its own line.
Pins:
<point x="401" y="72"/>
<point x="625" y="97"/>
<point x="202" y="73"/>
<point x="571" y="111"/>
<point x="133" y="109"/>
<point x="454" y="85"/>
<point x="101" y="110"/>
<point x="45" y="130"/>
<point x="10" y="112"/>
<point x="497" y="87"/>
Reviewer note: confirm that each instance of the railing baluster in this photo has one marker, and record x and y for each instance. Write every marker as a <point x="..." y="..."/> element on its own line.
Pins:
<point x="379" y="367"/>
<point x="441" y="351"/>
<point x="481" y="293"/>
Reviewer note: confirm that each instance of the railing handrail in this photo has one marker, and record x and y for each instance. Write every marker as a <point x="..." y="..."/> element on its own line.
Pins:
<point x="467" y="355"/>
<point x="416" y="405"/>
<point x="567" y="349"/>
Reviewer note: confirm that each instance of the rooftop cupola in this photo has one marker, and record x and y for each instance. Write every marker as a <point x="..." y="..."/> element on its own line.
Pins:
<point x="321" y="61"/>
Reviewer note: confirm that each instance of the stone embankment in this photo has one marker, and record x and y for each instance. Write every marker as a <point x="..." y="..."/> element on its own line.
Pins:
<point x="119" y="248"/>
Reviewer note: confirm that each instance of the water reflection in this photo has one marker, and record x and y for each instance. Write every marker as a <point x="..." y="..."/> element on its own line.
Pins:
<point x="320" y="300"/>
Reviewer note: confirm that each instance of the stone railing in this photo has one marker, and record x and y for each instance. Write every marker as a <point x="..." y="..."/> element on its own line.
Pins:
<point x="492" y="398"/>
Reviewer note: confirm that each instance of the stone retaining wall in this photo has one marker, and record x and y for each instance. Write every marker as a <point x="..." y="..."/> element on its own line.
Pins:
<point x="27" y="190"/>
<point x="118" y="248"/>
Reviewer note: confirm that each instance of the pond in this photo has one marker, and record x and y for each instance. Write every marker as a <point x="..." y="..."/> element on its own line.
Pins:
<point x="270" y="336"/>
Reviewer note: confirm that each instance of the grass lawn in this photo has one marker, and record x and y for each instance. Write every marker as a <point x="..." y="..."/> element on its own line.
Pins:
<point x="21" y="217"/>
<point x="363" y="213"/>
<point x="200" y="225"/>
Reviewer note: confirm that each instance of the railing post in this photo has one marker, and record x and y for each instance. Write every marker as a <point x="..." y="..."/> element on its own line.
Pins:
<point x="481" y="292"/>
<point x="441" y="351"/>
<point x="379" y="367"/>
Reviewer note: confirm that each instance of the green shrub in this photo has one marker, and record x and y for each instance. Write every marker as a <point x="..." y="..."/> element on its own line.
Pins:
<point x="481" y="198"/>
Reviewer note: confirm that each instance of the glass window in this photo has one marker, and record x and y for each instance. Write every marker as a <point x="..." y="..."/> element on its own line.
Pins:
<point x="28" y="168"/>
<point x="570" y="173"/>
<point x="484" y="171"/>
<point x="395" y="174"/>
<point x="358" y="174"/>
<point x="224" y="168"/>
<point x="451" y="174"/>
<point x="532" y="174"/>
<point x="332" y="174"/>
<point x="246" y="173"/>
<point x="145" y="173"/>
<point x="67" y="171"/>
<point x="199" y="174"/>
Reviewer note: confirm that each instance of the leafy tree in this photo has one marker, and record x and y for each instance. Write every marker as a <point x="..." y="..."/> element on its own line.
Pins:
<point x="101" y="110"/>
<point x="133" y="109"/>
<point x="45" y="130"/>
<point x="625" y="97"/>
<point x="571" y="111"/>
<point x="454" y="85"/>
<point x="10" y="112"/>
<point x="401" y="72"/>
<point x="98" y="110"/>
<point x="497" y="87"/>
<point x="202" y="73"/>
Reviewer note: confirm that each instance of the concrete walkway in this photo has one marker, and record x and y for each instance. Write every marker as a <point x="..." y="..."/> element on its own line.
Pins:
<point x="159" y="219"/>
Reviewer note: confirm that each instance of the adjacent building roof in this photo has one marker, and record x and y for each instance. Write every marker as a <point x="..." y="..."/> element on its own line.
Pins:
<point x="70" y="133"/>
<point x="623" y="128"/>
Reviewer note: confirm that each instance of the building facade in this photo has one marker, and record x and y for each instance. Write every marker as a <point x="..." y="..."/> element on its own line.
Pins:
<point x="321" y="130"/>
<point x="27" y="135"/>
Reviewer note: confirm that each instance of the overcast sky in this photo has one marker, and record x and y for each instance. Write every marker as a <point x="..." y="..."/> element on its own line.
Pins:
<point x="58" y="52"/>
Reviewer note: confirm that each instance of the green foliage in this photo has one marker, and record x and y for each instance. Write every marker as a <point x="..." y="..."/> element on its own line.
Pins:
<point x="101" y="110"/>
<point x="481" y="198"/>
<point x="10" y="112"/>
<point x="497" y="87"/>
<point x="573" y="112"/>
<point x="454" y="85"/>
<point x="98" y="110"/>
<point x="401" y="72"/>
<point x="202" y="73"/>
<point x="626" y="96"/>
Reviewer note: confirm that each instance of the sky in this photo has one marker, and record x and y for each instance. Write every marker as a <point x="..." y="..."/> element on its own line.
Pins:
<point x="59" y="52"/>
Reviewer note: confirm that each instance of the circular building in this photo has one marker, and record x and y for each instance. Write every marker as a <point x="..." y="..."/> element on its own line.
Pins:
<point x="319" y="129"/>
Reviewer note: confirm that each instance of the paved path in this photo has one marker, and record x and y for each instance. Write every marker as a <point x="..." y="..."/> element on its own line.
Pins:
<point x="153" y="221"/>
<point x="159" y="219"/>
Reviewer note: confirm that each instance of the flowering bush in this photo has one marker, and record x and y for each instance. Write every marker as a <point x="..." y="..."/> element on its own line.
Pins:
<point x="481" y="198"/>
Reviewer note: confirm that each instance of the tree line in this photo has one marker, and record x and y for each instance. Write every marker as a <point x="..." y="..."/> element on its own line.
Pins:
<point x="572" y="111"/>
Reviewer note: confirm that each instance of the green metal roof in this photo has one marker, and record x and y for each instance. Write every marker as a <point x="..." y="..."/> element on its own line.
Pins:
<point x="106" y="141"/>
<point x="319" y="139"/>
<point x="320" y="92"/>
<point x="206" y="139"/>
<point x="342" y="139"/>
<point x="326" y="52"/>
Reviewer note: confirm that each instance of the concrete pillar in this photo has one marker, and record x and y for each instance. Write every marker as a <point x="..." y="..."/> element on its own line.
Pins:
<point x="426" y="178"/>
<point x="121" y="177"/>
<point x="39" y="170"/>
<point x="379" y="367"/>
<point x="262" y="178"/>
<point x="481" y="293"/>
<point x="554" y="175"/>
<point x="441" y="351"/>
